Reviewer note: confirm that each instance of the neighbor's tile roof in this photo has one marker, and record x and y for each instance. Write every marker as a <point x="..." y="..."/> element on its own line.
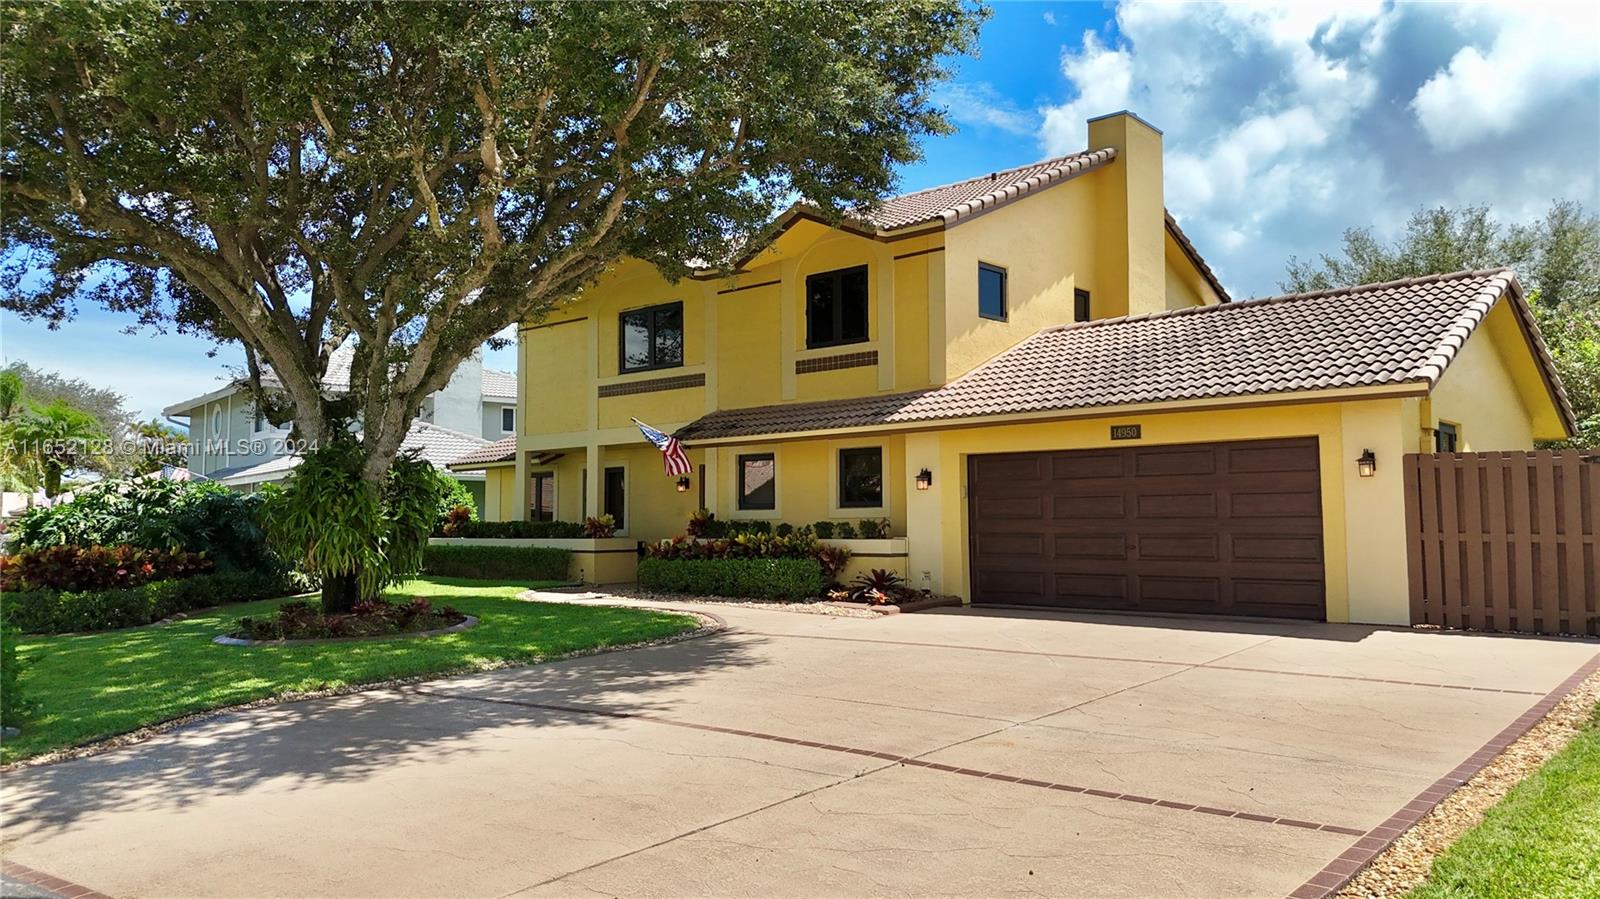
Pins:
<point x="502" y="450"/>
<point x="1368" y="336"/>
<point x="950" y="203"/>
<point x="435" y="445"/>
<point x="499" y="383"/>
<point x="494" y="382"/>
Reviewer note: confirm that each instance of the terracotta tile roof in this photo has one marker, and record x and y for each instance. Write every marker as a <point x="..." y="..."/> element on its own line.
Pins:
<point x="502" y="450"/>
<point x="497" y="383"/>
<point x="1402" y="332"/>
<point x="950" y="203"/>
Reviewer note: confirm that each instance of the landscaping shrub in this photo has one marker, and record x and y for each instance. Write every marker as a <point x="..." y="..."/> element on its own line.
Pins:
<point x="55" y="612"/>
<point x="534" y="563"/>
<point x="844" y="530"/>
<point x="12" y="705"/>
<point x="823" y="530"/>
<point x="454" y="496"/>
<point x="96" y="567"/>
<point x="791" y="579"/>
<point x="600" y="527"/>
<point x="199" y="517"/>
<point x="369" y="618"/>
<point x="520" y="530"/>
<point x="831" y="559"/>
<point x="873" y="528"/>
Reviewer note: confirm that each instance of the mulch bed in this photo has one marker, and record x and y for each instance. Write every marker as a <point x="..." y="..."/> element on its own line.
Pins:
<point x="1406" y="863"/>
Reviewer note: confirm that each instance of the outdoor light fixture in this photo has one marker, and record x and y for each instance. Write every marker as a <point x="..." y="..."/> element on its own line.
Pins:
<point x="1367" y="464"/>
<point x="683" y="484"/>
<point x="924" y="479"/>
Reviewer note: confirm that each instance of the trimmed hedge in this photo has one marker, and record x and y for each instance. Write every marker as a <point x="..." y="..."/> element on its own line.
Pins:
<point x="535" y="563"/>
<point x="60" y="612"/>
<point x="521" y="530"/>
<point x="754" y="578"/>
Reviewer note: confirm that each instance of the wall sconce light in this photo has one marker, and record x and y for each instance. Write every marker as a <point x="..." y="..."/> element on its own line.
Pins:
<point x="683" y="484"/>
<point x="924" y="479"/>
<point x="1367" y="464"/>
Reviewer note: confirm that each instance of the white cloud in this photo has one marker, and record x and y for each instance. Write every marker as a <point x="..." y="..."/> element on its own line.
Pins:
<point x="978" y="104"/>
<point x="1486" y="93"/>
<point x="1049" y="18"/>
<point x="1286" y="123"/>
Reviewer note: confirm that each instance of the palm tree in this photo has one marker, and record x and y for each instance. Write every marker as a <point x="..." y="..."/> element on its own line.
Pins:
<point x="49" y="440"/>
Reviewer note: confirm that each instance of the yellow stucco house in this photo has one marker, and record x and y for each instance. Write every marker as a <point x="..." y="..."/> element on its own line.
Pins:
<point x="1036" y="379"/>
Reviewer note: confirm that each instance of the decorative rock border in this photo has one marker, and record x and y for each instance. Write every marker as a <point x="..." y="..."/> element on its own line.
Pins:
<point x="226" y="640"/>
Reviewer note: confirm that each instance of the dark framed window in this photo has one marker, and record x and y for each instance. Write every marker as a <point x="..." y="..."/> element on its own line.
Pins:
<point x="508" y="419"/>
<point x="1080" y="305"/>
<point x="650" y="338"/>
<point x="991" y="291"/>
<point x="836" y="307"/>
<point x="616" y="495"/>
<point x="542" y="497"/>
<point x="1446" y="438"/>
<point x="861" y="477"/>
<point x="758" y="481"/>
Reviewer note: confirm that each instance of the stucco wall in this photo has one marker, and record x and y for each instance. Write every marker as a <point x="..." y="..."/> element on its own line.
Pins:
<point x="1479" y="394"/>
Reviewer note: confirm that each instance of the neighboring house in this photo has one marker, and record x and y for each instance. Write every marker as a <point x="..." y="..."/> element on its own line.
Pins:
<point x="1035" y="378"/>
<point x="232" y="444"/>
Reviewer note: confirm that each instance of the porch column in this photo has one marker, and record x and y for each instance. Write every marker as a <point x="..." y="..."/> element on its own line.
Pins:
<point x="593" y="479"/>
<point x="519" y="490"/>
<point x="925" y="513"/>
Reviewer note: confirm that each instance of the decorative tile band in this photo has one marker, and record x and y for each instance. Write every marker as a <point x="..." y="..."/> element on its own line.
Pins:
<point x="834" y="363"/>
<point x="1116" y="795"/>
<point x="628" y="388"/>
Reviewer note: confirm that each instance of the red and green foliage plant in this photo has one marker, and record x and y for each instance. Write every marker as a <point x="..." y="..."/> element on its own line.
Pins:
<point x="301" y="620"/>
<point x="455" y="519"/>
<point x="878" y="587"/>
<point x="830" y="558"/>
<point x="96" y="567"/>
<point x="599" y="527"/>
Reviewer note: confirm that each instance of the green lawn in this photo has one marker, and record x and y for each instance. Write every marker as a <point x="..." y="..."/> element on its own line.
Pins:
<point x="1542" y="840"/>
<point x="86" y="688"/>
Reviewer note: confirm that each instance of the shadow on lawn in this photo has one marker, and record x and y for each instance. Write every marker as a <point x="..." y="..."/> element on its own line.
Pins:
<point x="306" y="744"/>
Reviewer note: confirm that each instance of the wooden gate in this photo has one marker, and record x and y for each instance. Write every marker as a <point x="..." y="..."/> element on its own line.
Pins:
<point x="1505" y="541"/>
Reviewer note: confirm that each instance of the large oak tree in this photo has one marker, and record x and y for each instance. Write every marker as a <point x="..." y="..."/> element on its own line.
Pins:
<point x="414" y="177"/>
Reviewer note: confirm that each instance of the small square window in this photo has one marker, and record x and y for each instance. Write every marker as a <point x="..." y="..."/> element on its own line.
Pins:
<point x="758" y="481"/>
<point x="861" y="478"/>
<point x="991" y="292"/>
<point x="1446" y="438"/>
<point x="508" y="419"/>
<point x="1080" y="306"/>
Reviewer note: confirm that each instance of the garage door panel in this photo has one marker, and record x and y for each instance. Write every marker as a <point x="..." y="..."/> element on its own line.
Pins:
<point x="1078" y="466"/>
<point x="1095" y="508"/>
<point x="1186" y="462"/>
<point x="1197" y="547"/>
<point x="1086" y="546"/>
<point x="1275" y="504"/>
<point x="1176" y="505"/>
<point x="1276" y="548"/>
<point x="1228" y="528"/>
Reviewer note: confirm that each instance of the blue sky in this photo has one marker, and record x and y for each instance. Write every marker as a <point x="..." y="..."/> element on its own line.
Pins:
<point x="1284" y="124"/>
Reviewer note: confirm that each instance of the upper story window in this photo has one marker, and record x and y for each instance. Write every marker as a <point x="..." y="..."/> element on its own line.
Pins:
<point x="1080" y="306"/>
<point x="1446" y="438"/>
<point x="261" y="421"/>
<point x="836" y="307"/>
<point x="651" y="338"/>
<point x="508" y="419"/>
<point x="991" y="291"/>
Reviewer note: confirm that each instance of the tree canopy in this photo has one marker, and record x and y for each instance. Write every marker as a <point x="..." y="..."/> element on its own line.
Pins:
<point x="414" y="177"/>
<point x="1557" y="260"/>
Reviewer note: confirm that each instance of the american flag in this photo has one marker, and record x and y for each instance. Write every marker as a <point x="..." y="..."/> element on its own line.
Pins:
<point x="677" y="464"/>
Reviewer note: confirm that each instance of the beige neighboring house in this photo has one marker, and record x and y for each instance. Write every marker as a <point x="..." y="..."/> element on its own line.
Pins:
<point x="229" y="442"/>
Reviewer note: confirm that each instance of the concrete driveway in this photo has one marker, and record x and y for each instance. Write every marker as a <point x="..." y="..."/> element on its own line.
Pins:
<point x="956" y="753"/>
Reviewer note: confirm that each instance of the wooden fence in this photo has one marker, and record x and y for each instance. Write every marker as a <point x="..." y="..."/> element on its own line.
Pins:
<point x="1505" y="541"/>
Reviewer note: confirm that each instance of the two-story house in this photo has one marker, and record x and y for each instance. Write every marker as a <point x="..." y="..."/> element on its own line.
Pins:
<point x="232" y="443"/>
<point x="1036" y="379"/>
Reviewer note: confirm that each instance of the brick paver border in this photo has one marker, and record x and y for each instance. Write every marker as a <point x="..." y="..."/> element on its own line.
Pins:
<point x="66" y="889"/>
<point x="1341" y="870"/>
<point x="914" y="762"/>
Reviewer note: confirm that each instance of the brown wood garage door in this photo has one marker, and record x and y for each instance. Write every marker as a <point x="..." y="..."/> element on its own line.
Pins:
<point x="1221" y="528"/>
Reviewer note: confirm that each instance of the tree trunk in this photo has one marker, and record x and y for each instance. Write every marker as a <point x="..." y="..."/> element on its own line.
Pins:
<point x="340" y="594"/>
